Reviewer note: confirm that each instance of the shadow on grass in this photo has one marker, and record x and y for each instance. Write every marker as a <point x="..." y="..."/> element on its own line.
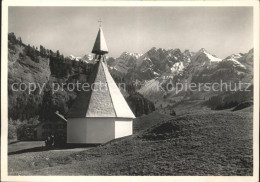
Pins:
<point x="45" y="148"/>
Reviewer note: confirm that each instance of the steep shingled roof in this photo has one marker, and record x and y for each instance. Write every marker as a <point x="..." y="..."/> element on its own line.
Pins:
<point x="100" y="46"/>
<point x="103" y="100"/>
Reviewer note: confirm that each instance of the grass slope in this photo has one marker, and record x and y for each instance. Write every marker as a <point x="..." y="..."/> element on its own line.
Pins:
<point x="146" y="121"/>
<point x="216" y="143"/>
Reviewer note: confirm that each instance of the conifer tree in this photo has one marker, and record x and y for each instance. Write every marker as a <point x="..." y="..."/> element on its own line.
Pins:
<point x="58" y="54"/>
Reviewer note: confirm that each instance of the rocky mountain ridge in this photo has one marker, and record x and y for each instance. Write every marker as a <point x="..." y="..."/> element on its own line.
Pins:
<point x="163" y="67"/>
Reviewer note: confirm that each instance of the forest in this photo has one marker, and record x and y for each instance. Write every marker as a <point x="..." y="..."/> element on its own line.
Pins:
<point x="28" y="63"/>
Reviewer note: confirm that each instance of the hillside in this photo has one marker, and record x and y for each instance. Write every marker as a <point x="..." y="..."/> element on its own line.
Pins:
<point x="33" y="76"/>
<point x="145" y="121"/>
<point x="29" y="67"/>
<point x="211" y="143"/>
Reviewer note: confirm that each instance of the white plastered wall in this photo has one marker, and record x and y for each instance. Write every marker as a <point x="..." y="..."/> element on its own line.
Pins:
<point x="76" y="130"/>
<point x="90" y="130"/>
<point x="123" y="127"/>
<point x="100" y="130"/>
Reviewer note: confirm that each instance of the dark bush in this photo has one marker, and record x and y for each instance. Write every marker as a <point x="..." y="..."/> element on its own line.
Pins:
<point x="242" y="106"/>
<point x="26" y="132"/>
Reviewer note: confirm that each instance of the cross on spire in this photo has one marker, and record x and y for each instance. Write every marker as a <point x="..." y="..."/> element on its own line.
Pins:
<point x="100" y="46"/>
<point x="100" y="23"/>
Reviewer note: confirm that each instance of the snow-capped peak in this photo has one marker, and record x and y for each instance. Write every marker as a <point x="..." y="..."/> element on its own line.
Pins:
<point x="129" y="54"/>
<point x="234" y="56"/>
<point x="210" y="57"/>
<point x="202" y="50"/>
<point x="88" y="57"/>
<point x="74" y="57"/>
<point x="234" y="59"/>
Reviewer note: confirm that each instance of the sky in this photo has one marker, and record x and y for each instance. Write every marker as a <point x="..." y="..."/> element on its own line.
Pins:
<point x="72" y="30"/>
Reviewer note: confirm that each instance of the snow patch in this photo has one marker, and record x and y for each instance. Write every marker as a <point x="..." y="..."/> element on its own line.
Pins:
<point x="177" y="67"/>
<point x="74" y="58"/>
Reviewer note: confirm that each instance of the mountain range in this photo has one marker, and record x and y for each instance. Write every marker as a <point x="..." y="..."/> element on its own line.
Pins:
<point x="142" y="74"/>
<point x="159" y="66"/>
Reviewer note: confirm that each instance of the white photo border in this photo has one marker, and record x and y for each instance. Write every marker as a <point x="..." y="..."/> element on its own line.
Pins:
<point x="4" y="95"/>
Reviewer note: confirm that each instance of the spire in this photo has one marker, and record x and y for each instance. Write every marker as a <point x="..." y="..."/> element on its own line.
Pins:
<point x="100" y="46"/>
<point x="103" y="98"/>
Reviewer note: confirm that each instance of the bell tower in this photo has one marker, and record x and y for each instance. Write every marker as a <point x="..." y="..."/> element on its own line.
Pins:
<point x="100" y="46"/>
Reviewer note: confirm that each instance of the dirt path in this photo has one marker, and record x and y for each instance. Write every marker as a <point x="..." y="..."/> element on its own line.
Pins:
<point x="38" y="160"/>
<point x="23" y="145"/>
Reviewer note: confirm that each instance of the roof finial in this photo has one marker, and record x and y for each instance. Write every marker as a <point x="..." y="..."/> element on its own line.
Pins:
<point x="100" y="46"/>
<point x="100" y="22"/>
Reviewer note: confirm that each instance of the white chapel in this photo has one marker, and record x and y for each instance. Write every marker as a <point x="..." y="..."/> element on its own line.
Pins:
<point x="98" y="114"/>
